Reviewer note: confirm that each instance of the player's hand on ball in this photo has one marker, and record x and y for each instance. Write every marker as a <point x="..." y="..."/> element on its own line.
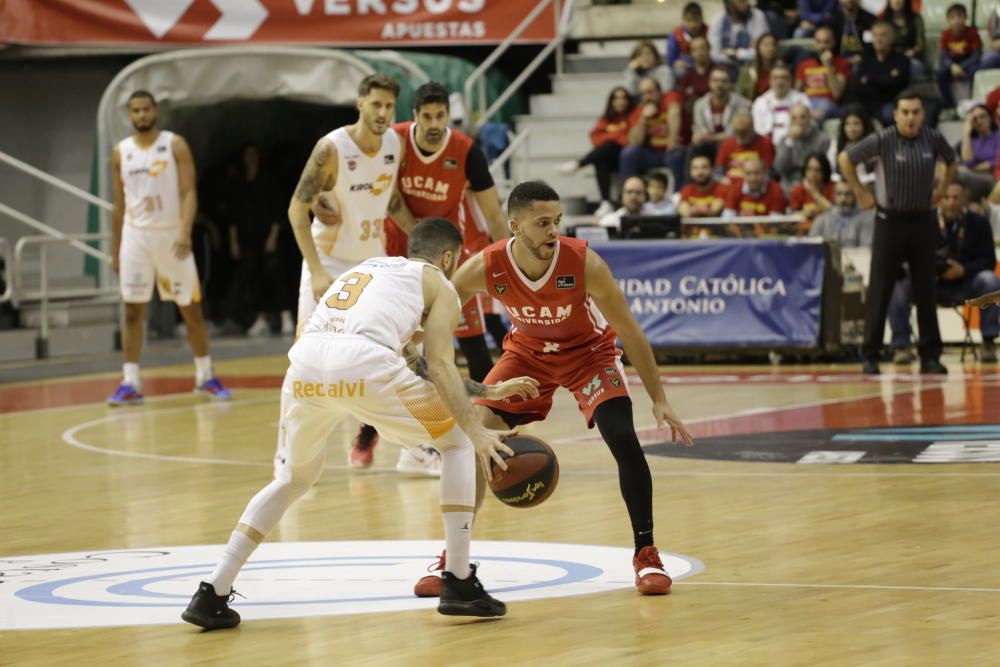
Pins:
<point x="524" y="387"/>
<point x="326" y="210"/>
<point x="985" y="300"/>
<point x="489" y="444"/>
<point x="321" y="281"/>
<point x="664" y="415"/>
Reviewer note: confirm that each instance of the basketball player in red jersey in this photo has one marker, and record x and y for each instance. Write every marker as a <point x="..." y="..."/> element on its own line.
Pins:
<point x="443" y="175"/>
<point x="566" y="310"/>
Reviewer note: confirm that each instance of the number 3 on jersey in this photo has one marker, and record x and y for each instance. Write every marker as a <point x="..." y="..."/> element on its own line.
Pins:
<point x="350" y="292"/>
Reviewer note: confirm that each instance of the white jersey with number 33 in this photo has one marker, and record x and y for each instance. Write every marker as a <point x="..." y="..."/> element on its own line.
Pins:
<point x="381" y="299"/>
<point x="364" y="186"/>
<point x="152" y="193"/>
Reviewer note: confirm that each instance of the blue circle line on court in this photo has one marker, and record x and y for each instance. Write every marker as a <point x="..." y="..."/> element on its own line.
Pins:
<point x="46" y="593"/>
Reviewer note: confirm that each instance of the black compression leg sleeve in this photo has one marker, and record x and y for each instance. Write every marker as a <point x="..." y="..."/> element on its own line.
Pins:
<point x="614" y="420"/>
<point x="477" y="356"/>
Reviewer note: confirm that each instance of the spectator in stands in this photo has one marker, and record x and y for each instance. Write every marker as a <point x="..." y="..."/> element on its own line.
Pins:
<point x="734" y="32"/>
<point x="909" y="34"/>
<point x="966" y="261"/>
<point x="782" y="16"/>
<point x="644" y="62"/>
<point x="657" y="200"/>
<point x="654" y="133"/>
<point x="823" y="77"/>
<point x="742" y="146"/>
<point x="845" y="223"/>
<point x="854" y="126"/>
<point x="803" y="139"/>
<point x="695" y="82"/>
<point x="980" y="145"/>
<point x="882" y="75"/>
<point x="633" y="198"/>
<point x="609" y="136"/>
<point x="961" y="49"/>
<point x="755" y="77"/>
<point x="703" y="196"/>
<point x="991" y="60"/>
<point x="772" y="111"/>
<point x="814" y="195"/>
<point x="813" y="14"/>
<point x="756" y="195"/>
<point x="713" y="113"/>
<point x="679" y="41"/>
<point x="850" y="24"/>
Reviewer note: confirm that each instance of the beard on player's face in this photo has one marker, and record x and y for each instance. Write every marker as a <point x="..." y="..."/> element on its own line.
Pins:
<point x="144" y="125"/>
<point x="541" y="249"/>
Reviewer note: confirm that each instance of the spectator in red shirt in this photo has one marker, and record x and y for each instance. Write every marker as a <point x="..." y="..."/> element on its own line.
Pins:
<point x="654" y="133"/>
<point x="695" y="83"/>
<point x="608" y="137"/>
<point x="823" y="78"/>
<point x="756" y="195"/>
<point x="742" y="146"/>
<point x="814" y="195"/>
<point x="755" y="77"/>
<point x="703" y="196"/>
<point x="961" y="49"/>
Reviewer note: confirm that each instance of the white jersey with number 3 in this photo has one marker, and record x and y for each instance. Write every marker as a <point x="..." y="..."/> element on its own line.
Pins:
<point x="364" y="187"/>
<point x="381" y="299"/>
<point x="152" y="192"/>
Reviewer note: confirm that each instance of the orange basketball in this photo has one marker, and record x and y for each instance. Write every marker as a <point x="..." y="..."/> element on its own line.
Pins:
<point x="531" y="475"/>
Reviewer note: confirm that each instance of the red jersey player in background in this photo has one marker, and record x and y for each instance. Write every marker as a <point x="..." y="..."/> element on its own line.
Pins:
<point x="566" y="310"/>
<point x="444" y="175"/>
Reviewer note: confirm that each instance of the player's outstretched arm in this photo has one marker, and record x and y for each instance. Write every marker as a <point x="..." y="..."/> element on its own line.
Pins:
<point x="442" y="317"/>
<point x="525" y="387"/>
<point x="601" y="286"/>
<point x="985" y="300"/>
<point x="470" y="278"/>
<point x="319" y="174"/>
<point x="489" y="203"/>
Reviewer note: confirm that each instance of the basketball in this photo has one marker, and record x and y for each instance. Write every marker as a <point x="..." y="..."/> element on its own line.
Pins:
<point x="531" y="475"/>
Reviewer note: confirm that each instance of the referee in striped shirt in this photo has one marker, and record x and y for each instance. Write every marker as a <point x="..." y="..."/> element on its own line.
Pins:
<point x="905" y="226"/>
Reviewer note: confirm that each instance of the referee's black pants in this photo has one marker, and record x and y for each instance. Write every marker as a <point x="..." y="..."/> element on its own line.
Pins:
<point x="909" y="236"/>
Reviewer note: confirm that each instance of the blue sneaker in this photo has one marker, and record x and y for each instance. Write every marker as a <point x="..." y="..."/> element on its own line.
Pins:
<point x="214" y="390"/>
<point x="126" y="394"/>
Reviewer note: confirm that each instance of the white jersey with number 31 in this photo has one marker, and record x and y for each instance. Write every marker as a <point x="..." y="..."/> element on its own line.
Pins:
<point x="363" y="189"/>
<point x="381" y="299"/>
<point x="152" y="193"/>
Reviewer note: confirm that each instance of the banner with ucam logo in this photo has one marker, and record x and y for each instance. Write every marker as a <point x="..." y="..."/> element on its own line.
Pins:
<point x="385" y="23"/>
<point x="744" y="293"/>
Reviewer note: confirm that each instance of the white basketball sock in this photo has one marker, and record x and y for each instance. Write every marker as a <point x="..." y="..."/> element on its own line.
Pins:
<point x="234" y="556"/>
<point x="202" y="370"/>
<point x="457" y="538"/>
<point x="130" y="374"/>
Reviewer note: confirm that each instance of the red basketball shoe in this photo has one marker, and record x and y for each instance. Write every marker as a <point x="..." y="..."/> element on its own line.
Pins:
<point x="650" y="577"/>
<point x="363" y="449"/>
<point x="430" y="585"/>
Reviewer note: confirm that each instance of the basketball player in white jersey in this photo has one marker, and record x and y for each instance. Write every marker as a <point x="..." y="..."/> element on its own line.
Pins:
<point x="348" y="361"/>
<point x="155" y="203"/>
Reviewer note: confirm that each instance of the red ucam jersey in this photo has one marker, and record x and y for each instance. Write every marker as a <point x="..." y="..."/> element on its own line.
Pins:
<point x="435" y="185"/>
<point x="554" y="313"/>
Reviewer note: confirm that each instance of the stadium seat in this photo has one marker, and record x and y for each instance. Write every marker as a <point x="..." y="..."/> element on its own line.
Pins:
<point x="935" y="14"/>
<point x="985" y="81"/>
<point x="832" y="128"/>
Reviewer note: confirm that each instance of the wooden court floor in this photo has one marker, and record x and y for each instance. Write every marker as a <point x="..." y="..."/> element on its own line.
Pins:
<point x="796" y="563"/>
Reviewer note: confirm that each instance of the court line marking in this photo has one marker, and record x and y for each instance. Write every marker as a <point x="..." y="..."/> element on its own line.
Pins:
<point x="69" y="437"/>
<point x="877" y="587"/>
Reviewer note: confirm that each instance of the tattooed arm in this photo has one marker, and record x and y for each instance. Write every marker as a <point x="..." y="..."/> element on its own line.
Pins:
<point x="400" y="212"/>
<point x="525" y="387"/>
<point x="319" y="174"/>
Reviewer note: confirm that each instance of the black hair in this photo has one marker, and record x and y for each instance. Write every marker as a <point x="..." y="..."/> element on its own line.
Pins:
<point x="691" y="9"/>
<point x="866" y="124"/>
<point x="525" y="194"/>
<point x="381" y="81"/>
<point x="908" y="94"/>
<point x="657" y="176"/>
<point x="140" y="94"/>
<point x="432" y="237"/>
<point x="993" y="120"/>
<point x="609" y="109"/>
<point x="957" y="7"/>
<point x="430" y="93"/>
<point x="824" y="165"/>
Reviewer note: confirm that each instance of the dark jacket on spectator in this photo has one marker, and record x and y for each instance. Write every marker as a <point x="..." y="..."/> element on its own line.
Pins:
<point x="970" y="243"/>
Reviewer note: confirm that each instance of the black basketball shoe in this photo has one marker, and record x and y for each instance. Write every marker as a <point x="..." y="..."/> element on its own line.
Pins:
<point x="467" y="597"/>
<point x="211" y="611"/>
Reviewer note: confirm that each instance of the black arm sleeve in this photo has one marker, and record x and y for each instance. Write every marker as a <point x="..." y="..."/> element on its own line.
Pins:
<point x="477" y="170"/>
